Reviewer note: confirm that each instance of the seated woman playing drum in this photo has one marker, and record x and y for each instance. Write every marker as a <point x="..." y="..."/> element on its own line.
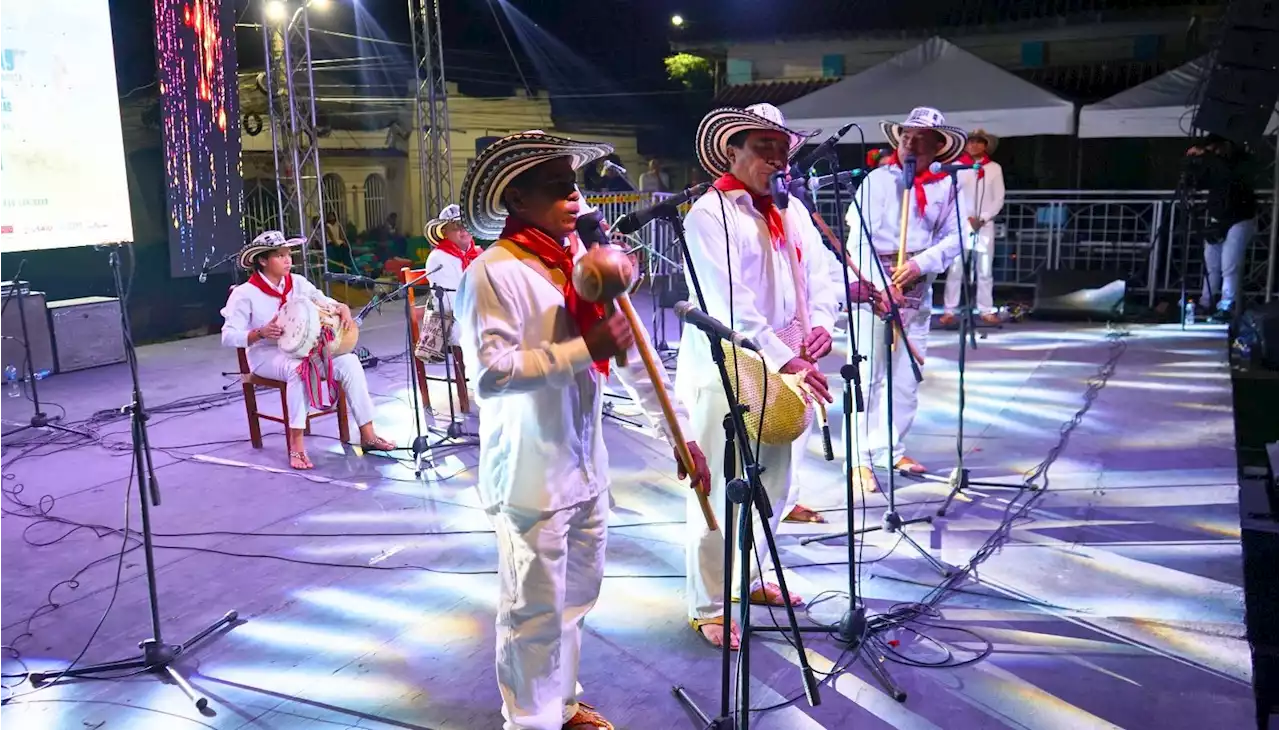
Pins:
<point x="251" y="322"/>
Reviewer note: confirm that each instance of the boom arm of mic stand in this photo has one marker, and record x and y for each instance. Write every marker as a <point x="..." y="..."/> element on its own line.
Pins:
<point x="895" y="314"/>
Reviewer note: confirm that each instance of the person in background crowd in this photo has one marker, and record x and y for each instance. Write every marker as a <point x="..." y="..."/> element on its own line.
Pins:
<point x="654" y="180"/>
<point x="1218" y="166"/>
<point x="983" y="192"/>
<point x="611" y="180"/>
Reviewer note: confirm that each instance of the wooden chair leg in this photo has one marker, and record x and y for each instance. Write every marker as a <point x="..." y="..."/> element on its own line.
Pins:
<point x="344" y="425"/>
<point x="460" y="380"/>
<point x="420" y="374"/>
<point x="251" y="409"/>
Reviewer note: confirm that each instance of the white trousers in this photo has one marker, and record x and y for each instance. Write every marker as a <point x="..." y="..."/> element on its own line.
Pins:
<point x="550" y="566"/>
<point x="704" y="550"/>
<point x="1223" y="265"/>
<point x="875" y="441"/>
<point x="980" y="265"/>
<point x="346" y="370"/>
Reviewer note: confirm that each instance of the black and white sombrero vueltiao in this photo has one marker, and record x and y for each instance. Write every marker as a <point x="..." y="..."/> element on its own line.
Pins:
<point x="483" y="212"/>
<point x="715" y="129"/>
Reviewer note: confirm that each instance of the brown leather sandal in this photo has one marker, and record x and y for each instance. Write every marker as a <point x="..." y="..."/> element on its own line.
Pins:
<point x="698" y="623"/>
<point x="587" y="717"/>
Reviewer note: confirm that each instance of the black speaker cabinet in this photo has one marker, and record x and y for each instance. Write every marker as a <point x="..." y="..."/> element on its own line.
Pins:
<point x="1069" y="294"/>
<point x="1240" y="93"/>
<point x="38" y="333"/>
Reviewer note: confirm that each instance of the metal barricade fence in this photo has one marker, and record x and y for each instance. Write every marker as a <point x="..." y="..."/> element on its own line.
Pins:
<point x="1134" y="233"/>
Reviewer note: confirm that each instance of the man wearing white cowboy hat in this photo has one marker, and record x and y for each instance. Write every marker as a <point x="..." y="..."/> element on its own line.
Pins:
<point x="983" y="191"/>
<point x="453" y="250"/>
<point x="250" y="322"/>
<point x="758" y="265"/>
<point x="540" y="354"/>
<point x="932" y="243"/>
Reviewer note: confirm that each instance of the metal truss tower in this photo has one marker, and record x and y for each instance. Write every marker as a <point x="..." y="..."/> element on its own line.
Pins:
<point x="292" y="104"/>
<point x="431" y="108"/>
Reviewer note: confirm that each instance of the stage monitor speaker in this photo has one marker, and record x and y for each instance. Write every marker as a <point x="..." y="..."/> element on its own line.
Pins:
<point x="1240" y="92"/>
<point x="38" y="334"/>
<point x="86" y="332"/>
<point x="1070" y="294"/>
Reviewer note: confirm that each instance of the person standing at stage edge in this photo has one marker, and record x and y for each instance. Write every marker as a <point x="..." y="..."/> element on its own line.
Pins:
<point x="743" y="249"/>
<point x="932" y="243"/>
<point x="540" y="355"/>
<point x="983" y="191"/>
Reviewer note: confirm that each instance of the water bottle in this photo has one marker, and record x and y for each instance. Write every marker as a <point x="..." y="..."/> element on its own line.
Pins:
<point x="42" y="374"/>
<point x="1189" y="313"/>
<point x="11" y="377"/>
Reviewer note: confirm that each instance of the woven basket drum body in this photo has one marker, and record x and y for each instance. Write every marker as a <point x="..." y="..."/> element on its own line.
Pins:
<point x="787" y="407"/>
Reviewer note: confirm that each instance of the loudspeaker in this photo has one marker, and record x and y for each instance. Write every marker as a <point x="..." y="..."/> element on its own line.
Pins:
<point x="38" y="334"/>
<point x="1069" y="294"/>
<point x="86" y="332"/>
<point x="1240" y="92"/>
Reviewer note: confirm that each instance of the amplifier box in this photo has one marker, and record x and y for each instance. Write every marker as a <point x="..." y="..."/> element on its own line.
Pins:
<point x="37" y="317"/>
<point x="86" y="332"/>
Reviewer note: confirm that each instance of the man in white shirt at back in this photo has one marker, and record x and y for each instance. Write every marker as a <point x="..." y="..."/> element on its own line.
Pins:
<point x="983" y="192"/>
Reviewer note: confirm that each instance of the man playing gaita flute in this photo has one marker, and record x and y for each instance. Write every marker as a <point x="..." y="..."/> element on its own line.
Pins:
<point x="932" y="243"/>
<point x="743" y="249"/>
<point x="250" y="322"/>
<point x="540" y="354"/>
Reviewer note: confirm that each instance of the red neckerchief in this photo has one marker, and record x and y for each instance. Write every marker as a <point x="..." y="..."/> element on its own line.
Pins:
<point x="968" y="159"/>
<point x="452" y="249"/>
<point x="554" y="256"/>
<point x="265" y="286"/>
<point x="763" y="204"/>
<point x="923" y="177"/>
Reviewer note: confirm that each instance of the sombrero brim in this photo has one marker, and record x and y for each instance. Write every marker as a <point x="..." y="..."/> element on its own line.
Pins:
<point x="953" y="145"/>
<point x="253" y="249"/>
<point x="719" y="125"/>
<point x="434" y="230"/>
<point x="483" y="212"/>
<point x="991" y="140"/>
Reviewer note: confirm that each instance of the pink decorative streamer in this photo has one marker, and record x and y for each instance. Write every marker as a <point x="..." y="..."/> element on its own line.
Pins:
<point x="317" y="370"/>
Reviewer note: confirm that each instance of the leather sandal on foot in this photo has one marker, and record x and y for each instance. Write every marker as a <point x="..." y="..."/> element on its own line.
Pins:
<point x="300" y="457"/>
<point x="865" y="479"/>
<point x="908" y="465"/>
<point x="761" y="597"/>
<point x="800" y="513"/>
<point x="698" y="623"/>
<point x="377" y="444"/>
<point x="587" y="717"/>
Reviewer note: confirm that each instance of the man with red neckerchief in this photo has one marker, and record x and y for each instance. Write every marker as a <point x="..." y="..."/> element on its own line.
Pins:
<point x="932" y="243"/>
<point x="250" y="322"/>
<point x="983" y="191"/>
<point x="540" y="354"/>
<point x="757" y="265"/>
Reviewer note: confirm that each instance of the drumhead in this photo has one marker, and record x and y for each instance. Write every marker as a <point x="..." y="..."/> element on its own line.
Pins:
<point x="300" y="321"/>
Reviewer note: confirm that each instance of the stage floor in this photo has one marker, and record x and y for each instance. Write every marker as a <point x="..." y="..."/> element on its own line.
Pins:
<point x="367" y="596"/>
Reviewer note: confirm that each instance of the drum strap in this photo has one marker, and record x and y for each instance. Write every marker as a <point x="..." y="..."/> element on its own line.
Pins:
<point x="316" y="371"/>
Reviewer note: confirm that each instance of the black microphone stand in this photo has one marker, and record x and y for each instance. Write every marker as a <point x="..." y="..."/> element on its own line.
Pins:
<point x="39" y="419"/>
<point x="749" y="493"/>
<point x="892" y="522"/>
<point x="959" y="478"/>
<point x="157" y="656"/>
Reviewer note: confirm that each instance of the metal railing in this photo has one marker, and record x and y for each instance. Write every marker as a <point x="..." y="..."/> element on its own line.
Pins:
<point x="1138" y="234"/>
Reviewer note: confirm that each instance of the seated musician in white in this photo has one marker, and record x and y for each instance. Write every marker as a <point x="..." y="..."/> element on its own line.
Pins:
<point x="250" y="322"/>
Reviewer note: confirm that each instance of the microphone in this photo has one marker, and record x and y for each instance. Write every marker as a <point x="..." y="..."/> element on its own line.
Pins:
<point x="778" y="189"/>
<point x="204" y="269"/>
<point x="635" y="220"/>
<point x="825" y="147"/>
<point x="908" y="172"/>
<point x="611" y="165"/>
<point x="839" y="178"/>
<point x="689" y="312"/>
<point x="348" y="278"/>
<point x="936" y="167"/>
<point x="590" y="228"/>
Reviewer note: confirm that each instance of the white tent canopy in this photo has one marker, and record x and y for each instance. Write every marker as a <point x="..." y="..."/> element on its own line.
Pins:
<point x="1161" y="107"/>
<point x="969" y="91"/>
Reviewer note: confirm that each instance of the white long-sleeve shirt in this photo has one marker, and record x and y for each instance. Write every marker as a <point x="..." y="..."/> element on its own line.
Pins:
<point x="448" y="276"/>
<point x="249" y="308"/>
<point x="933" y="240"/>
<point x="985" y="197"/>
<point x="757" y="275"/>
<point x="541" y="403"/>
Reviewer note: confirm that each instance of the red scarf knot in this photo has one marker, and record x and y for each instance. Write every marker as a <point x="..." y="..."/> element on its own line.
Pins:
<point x="923" y="177"/>
<point x="968" y="159"/>
<point x="451" y="248"/>
<point x="764" y="206"/>
<point x="558" y="258"/>
<point x="258" y="280"/>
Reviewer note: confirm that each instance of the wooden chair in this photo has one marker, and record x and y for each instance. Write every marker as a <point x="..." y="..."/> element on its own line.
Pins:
<point x="419" y="369"/>
<point x="250" y="382"/>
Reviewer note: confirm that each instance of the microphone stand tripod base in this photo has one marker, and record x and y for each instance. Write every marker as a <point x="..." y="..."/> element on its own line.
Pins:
<point x="958" y="480"/>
